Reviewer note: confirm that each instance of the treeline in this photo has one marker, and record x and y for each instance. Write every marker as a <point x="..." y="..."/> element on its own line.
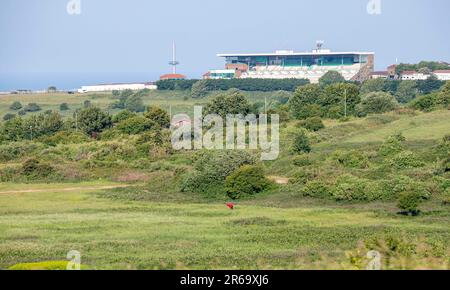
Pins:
<point x="262" y="85"/>
<point x="425" y="66"/>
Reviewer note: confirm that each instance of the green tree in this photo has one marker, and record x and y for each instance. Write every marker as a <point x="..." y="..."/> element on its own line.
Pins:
<point x="16" y="106"/>
<point x="375" y="85"/>
<point x="331" y="77"/>
<point x="87" y="104"/>
<point x="429" y="85"/>
<point x="13" y="130"/>
<point x="233" y="102"/>
<point x="52" y="89"/>
<point x="409" y="201"/>
<point x="406" y="92"/>
<point x="376" y="103"/>
<point x="305" y="97"/>
<point x="342" y="96"/>
<point x="443" y="98"/>
<point x="159" y="116"/>
<point x="313" y="124"/>
<point x="122" y="116"/>
<point x="43" y="125"/>
<point x="93" y="120"/>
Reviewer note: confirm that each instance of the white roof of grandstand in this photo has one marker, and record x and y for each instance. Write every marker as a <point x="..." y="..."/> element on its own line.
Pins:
<point x="290" y="53"/>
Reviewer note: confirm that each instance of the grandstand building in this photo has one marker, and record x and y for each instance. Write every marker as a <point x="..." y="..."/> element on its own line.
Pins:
<point x="357" y="66"/>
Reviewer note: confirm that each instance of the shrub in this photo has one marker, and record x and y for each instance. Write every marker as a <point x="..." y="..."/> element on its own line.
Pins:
<point x="135" y="104"/>
<point x="404" y="160"/>
<point x="301" y="143"/>
<point x="159" y="116"/>
<point x="136" y="125"/>
<point x="313" y="124"/>
<point x="233" y="102"/>
<point x="16" y="106"/>
<point x="35" y="169"/>
<point x="392" y="188"/>
<point x="122" y="116"/>
<point x="351" y="188"/>
<point x="303" y="104"/>
<point x="8" y="117"/>
<point x="316" y="189"/>
<point x="409" y="202"/>
<point x="351" y="159"/>
<point x="212" y="169"/>
<point x="246" y="181"/>
<point x="15" y="150"/>
<point x="64" y="137"/>
<point x="43" y="125"/>
<point x="302" y="160"/>
<point x="64" y="107"/>
<point x="393" y="145"/>
<point x="376" y="103"/>
<point x="199" y="89"/>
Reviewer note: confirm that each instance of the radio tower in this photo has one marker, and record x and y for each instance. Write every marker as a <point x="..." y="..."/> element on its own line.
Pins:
<point x="174" y="61"/>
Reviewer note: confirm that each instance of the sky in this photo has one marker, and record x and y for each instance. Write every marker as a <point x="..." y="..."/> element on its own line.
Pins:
<point x="42" y="44"/>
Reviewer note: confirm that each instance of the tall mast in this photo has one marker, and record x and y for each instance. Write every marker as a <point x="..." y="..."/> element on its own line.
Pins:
<point x="174" y="61"/>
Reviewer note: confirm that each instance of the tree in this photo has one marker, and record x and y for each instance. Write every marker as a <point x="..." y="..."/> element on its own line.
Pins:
<point x="159" y="116"/>
<point x="12" y="130"/>
<point x="233" y="103"/>
<point x="52" y="89"/>
<point x="342" y="96"/>
<point x="64" y="107"/>
<point x="409" y="201"/>
<point x="16" y="106"/>
<point x="313" y="124"/>
<point x="406" y="92"/>
<point x="304" y="97"/>
<point x="301" y="143"/>
<point x="135" y="104"/>
<point x="43" y="125"/>
<point x="331" y="77"/>
<point x="429" y="85"/>
<point x="376" y="103"/>
<point x="443" y="97"/>
<point x="93" y="120"/>
<point x="375" y="85"/>
<point x="87" y="104"/>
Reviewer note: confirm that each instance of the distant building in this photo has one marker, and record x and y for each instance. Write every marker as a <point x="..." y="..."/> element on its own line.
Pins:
<point x="411" y="75"/>
<point x="117" y="87"/>
<point x="284" y="64"/>
<point x="220" y="74"/>
<point x="172" y="76"/>
<point x="443" y="75"/>
<point x="379" y="75"/>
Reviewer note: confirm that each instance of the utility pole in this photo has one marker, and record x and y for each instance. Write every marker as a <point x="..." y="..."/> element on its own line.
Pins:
<point x="345" y="102"/>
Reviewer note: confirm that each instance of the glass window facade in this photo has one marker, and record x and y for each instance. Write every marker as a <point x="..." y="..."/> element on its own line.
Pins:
<point x="302" y="61"/>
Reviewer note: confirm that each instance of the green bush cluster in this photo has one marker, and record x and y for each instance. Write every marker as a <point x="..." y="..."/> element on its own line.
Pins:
<point x="313" y="124"/>
<point x="351" y="159"/>
<point x="392" y="145"/>
<point x="247" y="180"/>
<point x="405" y="160"/>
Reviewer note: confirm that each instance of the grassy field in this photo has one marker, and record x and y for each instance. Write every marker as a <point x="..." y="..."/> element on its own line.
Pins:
<point x="152" y="235"/>
<point x="178" y="101"/>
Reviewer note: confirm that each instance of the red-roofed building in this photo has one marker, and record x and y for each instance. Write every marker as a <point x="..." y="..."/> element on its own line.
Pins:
<point x="443" y="75"/>
<point x="172" y="77"/>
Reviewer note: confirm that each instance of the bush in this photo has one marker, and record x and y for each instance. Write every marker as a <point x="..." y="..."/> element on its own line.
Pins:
<point x="409" y="202"/>
<point x="15" y="150"/>
<point x="135" y="104"/>
<point x="302" y="160"/>
<point x="122" y="116"/>
<point x="313" y="124"/>
<point x="351" y="159"/>
<point x="317" y="189"/>
<point x="16" y="106"/>
<point x="64" y="107"/>
<point x="246" y="181"/>
<point x="303" y="104"/>
<point x="159" y="116"/>
<point x="404" y="160"/>
<point x="376" y="103"/>
<point x="392" y="188"/>
<point x="351" y="188"/>
<point x="301" y="143"/>
<point x="64" y="137"/>
<point x="35" y="169"/>
<point x="8" y="117"/>
<point x="233" y="102"/>
<point x="393" y="145"/>
<point x="22" y="113"/>
<point x="32" y="107"/>
<point x="136" y="125"/>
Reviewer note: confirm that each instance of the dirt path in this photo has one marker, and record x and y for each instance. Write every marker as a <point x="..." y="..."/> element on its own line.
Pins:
<point x="64" y="189"/>
<point x="279" y="179"/>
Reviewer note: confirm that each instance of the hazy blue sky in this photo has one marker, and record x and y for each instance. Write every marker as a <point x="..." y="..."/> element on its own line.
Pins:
<point x="130" y="40"/>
